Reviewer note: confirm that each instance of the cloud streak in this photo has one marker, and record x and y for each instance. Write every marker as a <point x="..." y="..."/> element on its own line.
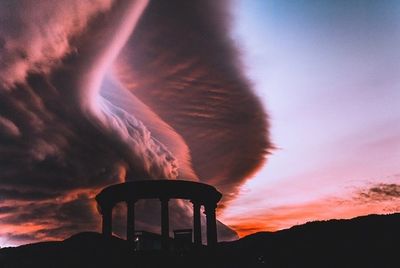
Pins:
<point x="381" y="192"/>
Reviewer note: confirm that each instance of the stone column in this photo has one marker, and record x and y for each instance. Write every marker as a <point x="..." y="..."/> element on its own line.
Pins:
<point x="211" y="224"/>
<point x="130" y="221"/>
<point x="107" y="221"/>
<point x="196" y="223"/>
<point x="164" y="223"/>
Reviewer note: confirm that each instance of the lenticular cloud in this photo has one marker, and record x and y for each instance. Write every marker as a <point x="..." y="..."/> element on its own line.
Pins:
<point x="98" y="92"/>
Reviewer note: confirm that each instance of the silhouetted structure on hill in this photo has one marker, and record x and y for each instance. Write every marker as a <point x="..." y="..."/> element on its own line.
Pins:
<point x="199" y="194"/>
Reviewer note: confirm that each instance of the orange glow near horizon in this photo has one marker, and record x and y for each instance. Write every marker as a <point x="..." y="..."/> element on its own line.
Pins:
<point x="286" y="216"/>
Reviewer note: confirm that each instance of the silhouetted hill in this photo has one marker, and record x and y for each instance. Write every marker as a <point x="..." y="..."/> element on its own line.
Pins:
<point x="369" y="241"/>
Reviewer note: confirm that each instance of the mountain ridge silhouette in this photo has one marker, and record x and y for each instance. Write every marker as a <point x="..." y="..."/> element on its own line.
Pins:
<point x="365" y="241"/>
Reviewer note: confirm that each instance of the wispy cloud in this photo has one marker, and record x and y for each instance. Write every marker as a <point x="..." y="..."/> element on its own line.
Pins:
<point x="380" y="192"/>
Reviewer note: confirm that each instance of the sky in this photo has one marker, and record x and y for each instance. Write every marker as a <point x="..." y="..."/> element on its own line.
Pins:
<point x="328" y="73"/>
<point x="289" y="108"/>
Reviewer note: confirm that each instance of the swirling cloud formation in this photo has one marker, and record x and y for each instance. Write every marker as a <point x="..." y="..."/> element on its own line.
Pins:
<point x="98" y="92"/>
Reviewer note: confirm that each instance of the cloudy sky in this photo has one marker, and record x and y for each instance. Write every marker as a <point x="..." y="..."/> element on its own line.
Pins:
<point x="329" y="74"/>
<point x="96" y="93"/>
<point x="101" y="92"/>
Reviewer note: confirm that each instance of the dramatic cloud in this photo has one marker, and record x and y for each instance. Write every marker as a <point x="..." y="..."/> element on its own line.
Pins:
<point x="182" y="64"/>
<point x="90" y="96"/>
<point x="55" y="219"/>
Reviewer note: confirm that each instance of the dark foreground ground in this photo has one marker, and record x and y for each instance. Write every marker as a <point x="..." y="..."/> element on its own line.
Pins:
<point x="370" y="241"/>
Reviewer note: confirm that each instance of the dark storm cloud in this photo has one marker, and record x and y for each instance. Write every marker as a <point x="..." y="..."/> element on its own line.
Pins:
<point x="31" y="213"/>
<point x="56" y="219"/>
<point x="78" y="211"/>
<point x="54" y="152"/>
<point x="50" y="147"/>
<point x="13" y="194"/>
<point x="182" y="63"/>
<point x="179" y="108"/>
<point x="8" y="209"/>
<point x="51" y="141"/>
<point x="46" y="143"/>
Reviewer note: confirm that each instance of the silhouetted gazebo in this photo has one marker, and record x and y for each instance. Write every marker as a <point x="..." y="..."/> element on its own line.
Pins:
<point x="199" y="194"/>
